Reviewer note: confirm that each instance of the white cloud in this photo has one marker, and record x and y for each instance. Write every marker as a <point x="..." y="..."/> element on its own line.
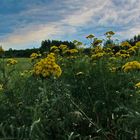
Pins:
<point x="130" y="32"/>
<point x="34" y="34"/>
<point x="67" y="16"/>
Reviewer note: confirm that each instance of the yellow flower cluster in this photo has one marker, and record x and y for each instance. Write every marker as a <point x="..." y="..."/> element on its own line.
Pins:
<point x="125" y="45"/>
<point x="97" y="56"/>
<point x="127" y="50"/>
<point x="132" y="50"/>
<point x="129" y="66"/>
<point x="96" y="42"/>
<point x="47" y="67"/>
<point x="137" y="85"/>
<point x="97" y="49"/>
<point x="109" y="33"/>
<point x="11" y="61"/>
<point x="71" y="51"/>
<point x="63" y="47"/>
<point x="34" y="56"/>
<point x="97" y="53"/>
<point x="54" y="49"/>
<point x="138" y="44"/>
<point x="90" y="36"/>
<point x="122" y="54"/>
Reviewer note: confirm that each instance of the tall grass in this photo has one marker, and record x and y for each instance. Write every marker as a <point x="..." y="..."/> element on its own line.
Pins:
<point x="87" y="102"/>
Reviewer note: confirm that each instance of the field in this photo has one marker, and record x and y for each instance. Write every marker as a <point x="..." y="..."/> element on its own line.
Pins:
<point x="69" y="94"/>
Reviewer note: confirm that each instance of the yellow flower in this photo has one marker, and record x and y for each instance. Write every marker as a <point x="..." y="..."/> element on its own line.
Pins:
<point x="54" y="49"/>
<point x="109" y="33"/>
<point x="132" y="50"/>
<point x="97" y="56"/>
<point x="34" y="56"/>
<point x="129" y="66"/>
<point x="137" y="85"/>
<point x="90" y="36"/>
<point x="122" y="54"/>
<point x="11" y="61"/>
<point x="138" y="44"/>
<point x="47" y="67"/>
<point x="71" y="51"/>
<point x="63" y="47"/>
<point x="125" y="44"/>
<point x="96" y="42"/>
<point x="97" y="49"/>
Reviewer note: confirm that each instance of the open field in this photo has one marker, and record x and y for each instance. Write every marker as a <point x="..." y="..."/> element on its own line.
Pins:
<point x="58" y="81"/>
<point x="70" y="95"/>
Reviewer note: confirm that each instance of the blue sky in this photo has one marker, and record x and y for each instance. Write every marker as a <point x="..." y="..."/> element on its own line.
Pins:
<point x="25" y="23"/>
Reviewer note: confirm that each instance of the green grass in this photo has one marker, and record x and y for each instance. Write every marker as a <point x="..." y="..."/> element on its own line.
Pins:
<point x="23" y="64"/>
<point x="97" y="104"/>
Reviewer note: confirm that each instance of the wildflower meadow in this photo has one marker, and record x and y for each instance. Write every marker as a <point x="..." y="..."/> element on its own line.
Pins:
<point x="88" y="92"/>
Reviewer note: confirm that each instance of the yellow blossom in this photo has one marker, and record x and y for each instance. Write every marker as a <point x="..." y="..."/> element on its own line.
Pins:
<point x="129" y="66"/>
<point x="47" y="67"/>
<point x="125" y="44"/>
<point x="138" y="44"/>
<point x="11" y="61"/>
<point x="97" y="56"/>
<point x="137" y="85"/>
<point x="122" y="54"/>
<point x="90" y="36"/>
<point x="34" y="56"/>
<point x="71" y="51"/>
<point x="63" y="47"/>
<point x="54" y="49"/>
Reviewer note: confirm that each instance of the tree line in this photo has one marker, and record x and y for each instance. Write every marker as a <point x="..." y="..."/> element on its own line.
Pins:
<point x="134" y="40"/>
<point x="47" y="44"/>
<point x="45" y="47"/>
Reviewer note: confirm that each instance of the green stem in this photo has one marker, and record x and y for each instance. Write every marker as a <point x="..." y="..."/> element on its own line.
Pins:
<point x="84" y="114"/>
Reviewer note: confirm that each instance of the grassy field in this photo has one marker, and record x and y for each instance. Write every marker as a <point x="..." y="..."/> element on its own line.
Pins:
<point x="23" y="63"/>
<point x="70" y="95"/>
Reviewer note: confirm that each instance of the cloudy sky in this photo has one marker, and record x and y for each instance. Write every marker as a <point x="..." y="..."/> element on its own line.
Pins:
<point x="25" y="23"/>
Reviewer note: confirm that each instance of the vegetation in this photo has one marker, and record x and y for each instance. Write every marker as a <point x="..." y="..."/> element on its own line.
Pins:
<point x="72" y="94"/>
<point x="45" y="47"/>
<point x="134" y="40"/>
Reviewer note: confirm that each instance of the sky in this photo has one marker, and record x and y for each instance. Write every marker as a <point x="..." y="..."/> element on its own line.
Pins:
<point x="25" y="23"/>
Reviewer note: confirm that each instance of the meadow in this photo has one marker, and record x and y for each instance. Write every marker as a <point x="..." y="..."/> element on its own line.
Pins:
<point x="68" y="94"/>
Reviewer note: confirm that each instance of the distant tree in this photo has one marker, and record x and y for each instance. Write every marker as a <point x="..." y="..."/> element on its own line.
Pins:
<point x="20" y="53"/>
<point x="47" y="44"/>
<point x="45" y="47"/>
<point x="134" y="40"/>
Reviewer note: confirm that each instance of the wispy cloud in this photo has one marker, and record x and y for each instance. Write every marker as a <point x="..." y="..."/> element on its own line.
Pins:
<point x="34" y="21"/>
